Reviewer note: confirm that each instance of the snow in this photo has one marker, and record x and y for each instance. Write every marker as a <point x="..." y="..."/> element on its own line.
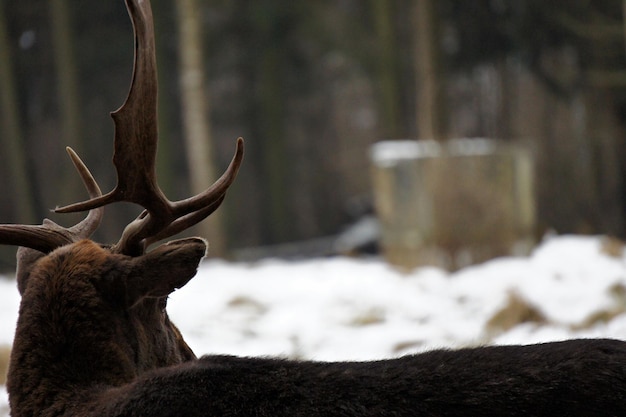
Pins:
<point x="356" y="309"/>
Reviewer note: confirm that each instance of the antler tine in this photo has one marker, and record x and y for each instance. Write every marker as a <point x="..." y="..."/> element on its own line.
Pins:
<point x="135" y="154"/>
<point x="49" y="236"/>
<point x="180" y="215"/>
<point x="193" y="210"/>
<point x="215" y="191"/>
<point x="85" y="228"/>
<point x="42" y="238"/>
<point x="185" y="222"/>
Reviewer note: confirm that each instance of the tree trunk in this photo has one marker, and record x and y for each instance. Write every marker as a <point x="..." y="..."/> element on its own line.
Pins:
<point x="166" y="110"/>
<point x="271" y="115"/>
<point x="67" y="91"/>
<point x="200" y="152"/>
<point x="624" y="18"/>
<point x="431" y="103"/>
<point x="12" y="139"/>
<point x="388" y="71"/>
<point x="268" y="115"/>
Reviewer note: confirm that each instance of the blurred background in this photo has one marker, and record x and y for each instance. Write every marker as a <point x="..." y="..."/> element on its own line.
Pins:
<point x="310" y="86"/>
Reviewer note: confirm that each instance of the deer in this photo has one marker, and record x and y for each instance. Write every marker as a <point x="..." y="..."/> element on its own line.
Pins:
<point x="93" y="337"/>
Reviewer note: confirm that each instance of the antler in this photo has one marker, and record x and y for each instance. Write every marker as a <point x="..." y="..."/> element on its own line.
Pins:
<point x="135" y="155"/>
<point x="49" y="236"/>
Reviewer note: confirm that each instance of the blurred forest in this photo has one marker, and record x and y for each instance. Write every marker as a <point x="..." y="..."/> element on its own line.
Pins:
<point x="311" y="85"/>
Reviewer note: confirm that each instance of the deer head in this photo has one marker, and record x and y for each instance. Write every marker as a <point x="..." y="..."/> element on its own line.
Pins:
<point x="94" y="314"/>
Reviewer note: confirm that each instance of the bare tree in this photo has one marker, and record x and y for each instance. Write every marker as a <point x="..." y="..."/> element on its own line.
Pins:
<point x="195" y="108"/>
<point x="67" y="82"/>
<point x="431" y="106"/>
<point x="388" y="70"/>
<point x="624" y="19"/>
<point x="12" y="138"/>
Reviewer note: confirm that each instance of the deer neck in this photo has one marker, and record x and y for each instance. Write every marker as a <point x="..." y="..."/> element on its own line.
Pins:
<point x="52" y="364"/>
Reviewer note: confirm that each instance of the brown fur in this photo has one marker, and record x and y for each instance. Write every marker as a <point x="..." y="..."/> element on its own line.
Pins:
<point x="91" y="318"/>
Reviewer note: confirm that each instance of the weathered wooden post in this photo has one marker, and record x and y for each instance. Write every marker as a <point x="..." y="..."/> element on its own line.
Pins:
<point x="454" y="203"/>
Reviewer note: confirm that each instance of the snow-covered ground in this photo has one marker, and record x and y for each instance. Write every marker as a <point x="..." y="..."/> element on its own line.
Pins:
<point x="351" y="309"/>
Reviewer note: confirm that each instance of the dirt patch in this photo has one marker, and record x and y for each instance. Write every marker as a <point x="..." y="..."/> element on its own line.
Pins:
<point x="368" y="318"/>
<point x="517" y="310"/>
<point x="599" y="317"/>
<point x="408" y="346"/>
<point x="5" y="354"/>
<point x="612" y="247"/>
<point x="248" y="304"/>
<point x="605" y="315"/>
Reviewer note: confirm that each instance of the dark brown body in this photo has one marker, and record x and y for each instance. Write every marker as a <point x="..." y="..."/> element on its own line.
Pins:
<point x="583" y="378"/>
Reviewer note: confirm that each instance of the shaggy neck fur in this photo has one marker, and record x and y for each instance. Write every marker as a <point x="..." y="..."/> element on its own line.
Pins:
<point x="75" y="322"/>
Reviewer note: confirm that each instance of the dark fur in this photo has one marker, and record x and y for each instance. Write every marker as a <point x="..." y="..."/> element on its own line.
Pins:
<point x="91" y="318"/>
<point x="93" y="339"/>
<point x="574" y="378"/>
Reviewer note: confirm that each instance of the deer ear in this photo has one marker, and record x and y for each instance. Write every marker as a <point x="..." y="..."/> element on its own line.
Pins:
<point x="165" y="269"/>
<point x="26" y="259"/>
